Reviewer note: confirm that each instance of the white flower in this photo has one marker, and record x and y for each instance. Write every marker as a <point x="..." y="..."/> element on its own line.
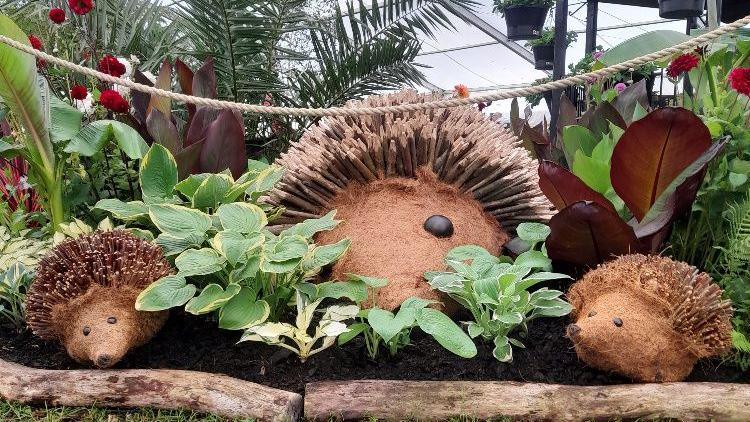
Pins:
<point x="85" y="106"/>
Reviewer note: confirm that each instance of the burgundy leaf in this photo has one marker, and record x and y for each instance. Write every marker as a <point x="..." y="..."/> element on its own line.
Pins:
<point x="163" y="81"/>
<point x="568" y="116"/>
<point x="652" y="152"/>
<point x="224" y="147"/>
<point x="188" y="160"/>
<point x="599" y="119"/>
<point x="140" y="100"/>
<point x="587" y="234"/>
<point x="626" y="101"/>
<point x="564" y="188"/>
<point x="185" y="77"/>
<point x="202" y="119"/>
<point x="163" y="131"/>
<point x="204" y="81"/>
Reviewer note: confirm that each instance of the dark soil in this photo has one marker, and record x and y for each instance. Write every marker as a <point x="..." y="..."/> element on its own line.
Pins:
<point x="189" y="342"/>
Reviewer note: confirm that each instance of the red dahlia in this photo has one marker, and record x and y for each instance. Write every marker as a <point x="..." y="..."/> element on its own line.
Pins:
<point x="79" y="92"/>
<point x="112" y="100"/>
<point x="57" y="15"/>
<point x="81" y="7"/>
<point x="682" y="64"/>
<point x="35" y="42"/>
<point x="111" y="66"/>
<point x="740" y="80"/>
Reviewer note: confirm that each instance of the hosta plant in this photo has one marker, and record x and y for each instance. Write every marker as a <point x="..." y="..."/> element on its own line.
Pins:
<point x="295" y="337"/>
<point x="21" y="249"/>
<point x="381" y="327"/>
<point x="14" y="282"/>
<point x="496" y="290"/>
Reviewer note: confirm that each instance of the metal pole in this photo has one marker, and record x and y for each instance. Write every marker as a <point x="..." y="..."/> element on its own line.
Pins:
<point x="561" y="32"/>
<point x="592" y="12"/>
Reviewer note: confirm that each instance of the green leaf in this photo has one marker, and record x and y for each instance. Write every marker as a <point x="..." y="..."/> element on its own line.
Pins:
<point x="123" y="210"/>
<point x="167" y="292"/>
<point x="211" y="191"/>
<point x="211" y="298"/>
<point x="577" y="138"/>
<point x="502" y="350"/>
<point x="173" y="245"/>
<point x="179" y="221"/>
<point x="370" y="281"/>
<point x="199" y="262"/>
<point x="594" y="173"/>
<point x="353" y="290"/>
<point x="285" y="248"/>
<point x="279" y="267"/>
<point x="20" y="89"/>
<point x="642" y="45"/>
<point x="158" y="175"/>
<point x="310" y="227"/>
<point x="324" y="255"/>
<point x="65" y="120"/>
<point x="265" y="180"/>
<point x="92" y="138"/>
<point x="388" y="325"/>
<point x="467" y="252"/>
<point x="354" y="331"/>
<point x="533" y="233"/>
<point x="446" y="332"/>
<point x="534" y="259"/>
<point x="234" y="245"/>
<point x="243" y="311"/>
<point x="242" y="217"/>
<point x="188" y="186"/>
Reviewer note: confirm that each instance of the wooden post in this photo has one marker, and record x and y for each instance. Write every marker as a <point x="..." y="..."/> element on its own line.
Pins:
<point x="160" y="388"/>
<point x="561" y="32"/>
<point x="592" y="14"/>
<point x="490" y="400"/>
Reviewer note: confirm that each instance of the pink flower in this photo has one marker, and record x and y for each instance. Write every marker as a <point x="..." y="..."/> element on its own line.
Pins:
<point x="597" y="55"/>
<point x="620" y="87"/>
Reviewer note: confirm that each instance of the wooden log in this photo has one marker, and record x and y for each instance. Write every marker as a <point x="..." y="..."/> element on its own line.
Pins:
<point x="440" y="400"/>
<point x="159" y="388"/>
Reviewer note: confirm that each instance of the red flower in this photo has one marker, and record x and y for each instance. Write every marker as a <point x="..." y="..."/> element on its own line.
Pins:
<point x="57" y="15"/>
<point x="112" y="100"/>
<point x="35" y="42"/>
<point x="682" y="64"/>
<point x="79" y="92"/>
<point x="740" y="80"/>
<point x="462" y="91"/>
<point x="111" y="66"/>
<point x="81" y="7"/>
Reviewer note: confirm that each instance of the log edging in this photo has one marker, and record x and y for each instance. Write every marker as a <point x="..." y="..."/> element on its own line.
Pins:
<point x="484" y="400"/>
<point x="159" y="388"/>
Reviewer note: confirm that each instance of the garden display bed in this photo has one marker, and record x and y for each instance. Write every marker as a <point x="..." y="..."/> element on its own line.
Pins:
<point x="193" y="343"/>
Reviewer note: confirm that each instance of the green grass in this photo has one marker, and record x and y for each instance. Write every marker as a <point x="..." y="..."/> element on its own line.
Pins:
<point x="14" y="412"/>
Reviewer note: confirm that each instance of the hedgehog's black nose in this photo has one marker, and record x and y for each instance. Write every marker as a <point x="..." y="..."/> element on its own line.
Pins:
<point x="573" y="330"/>
<point x="439" y="226"/>
<point x="104" y="361"/>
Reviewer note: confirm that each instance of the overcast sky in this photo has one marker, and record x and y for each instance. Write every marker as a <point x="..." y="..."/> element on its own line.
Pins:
<point x="497" y="65"/>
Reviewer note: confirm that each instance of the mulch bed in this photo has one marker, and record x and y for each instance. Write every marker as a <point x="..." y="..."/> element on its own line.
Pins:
<point x="195" y="343"/>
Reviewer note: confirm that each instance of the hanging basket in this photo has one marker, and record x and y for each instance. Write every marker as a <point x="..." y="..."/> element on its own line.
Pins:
<point x="681" y="9"/>
<point x="525" y="22"/>
<point x="731" y="10"/>
<point x="544" y="56"/>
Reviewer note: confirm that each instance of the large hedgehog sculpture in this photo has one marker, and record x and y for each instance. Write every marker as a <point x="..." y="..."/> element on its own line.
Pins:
<point x="649" y="318"/>
<point x="84" y="296"/>
<point x="409" y="187"/>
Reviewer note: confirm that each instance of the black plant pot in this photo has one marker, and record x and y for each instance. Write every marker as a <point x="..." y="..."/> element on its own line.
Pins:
<point x="681" y="9"/>
<point x="544" y="56"/>
<point x="731" y="10"/>
<point x="525" y="22"/>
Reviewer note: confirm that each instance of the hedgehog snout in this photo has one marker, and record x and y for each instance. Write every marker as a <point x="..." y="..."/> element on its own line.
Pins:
<point x="104" y="361"/>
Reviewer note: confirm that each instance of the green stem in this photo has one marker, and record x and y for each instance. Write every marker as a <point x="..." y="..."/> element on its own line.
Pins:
<point x="712" y="84"/>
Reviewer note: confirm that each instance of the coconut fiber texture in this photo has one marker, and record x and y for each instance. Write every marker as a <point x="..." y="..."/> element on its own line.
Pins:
<point x="84" y="295"/>
<point x="649" y="318"/>
<point x="387" y="174"/>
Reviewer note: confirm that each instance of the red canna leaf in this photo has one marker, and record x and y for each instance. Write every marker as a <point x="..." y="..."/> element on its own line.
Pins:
<point x="163" y="131"/>
<point x="185" y="78"/>
<point x="204" y="81"/>
<point x="564" y="188"/>
<point x="652" y="152"/>
<point x="587" y="234"/>
<point x="163" y="81"/>
<point x="224" y="147"/>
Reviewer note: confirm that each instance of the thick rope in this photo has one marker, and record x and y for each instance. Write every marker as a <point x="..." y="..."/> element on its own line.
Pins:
<point x="686" y="46"/>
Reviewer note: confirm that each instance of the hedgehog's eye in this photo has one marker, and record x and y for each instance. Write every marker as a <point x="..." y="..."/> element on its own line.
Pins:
<point x="86" y="331"/>
<point x="617" y="321"/>
<point x="111" y="320"/>
<point x="439" y="226"/>
<point x="592" y="313"/>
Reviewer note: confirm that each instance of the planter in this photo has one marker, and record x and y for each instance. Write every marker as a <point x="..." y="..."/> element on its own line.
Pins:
<point x="731" y="10"/>
<point x="544" y="56"/>
<point x="681" y="9"/>
<point x="525" y="22"/>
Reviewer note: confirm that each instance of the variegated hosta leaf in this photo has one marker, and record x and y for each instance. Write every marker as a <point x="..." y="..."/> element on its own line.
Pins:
<point x="242" y="217"/>
<point x="194" y="262"/>
<point x="20" y="249"/>
<point x="269" y="332"/>
<point x="243" y="311"/>
<point x="179" y="221"/>
<point x="332" y="328"/>
<point x="234" y="246"/>
<point x="340" y="312"/>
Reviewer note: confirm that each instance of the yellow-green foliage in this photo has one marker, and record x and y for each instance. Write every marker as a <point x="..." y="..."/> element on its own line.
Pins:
<point x="27" y="251"/>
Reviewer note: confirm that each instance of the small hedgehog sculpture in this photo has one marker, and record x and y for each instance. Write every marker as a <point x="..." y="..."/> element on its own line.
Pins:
<point x="84" y="296"/>
<point x="408" y="188"/>
<point x="649" y="318"/>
